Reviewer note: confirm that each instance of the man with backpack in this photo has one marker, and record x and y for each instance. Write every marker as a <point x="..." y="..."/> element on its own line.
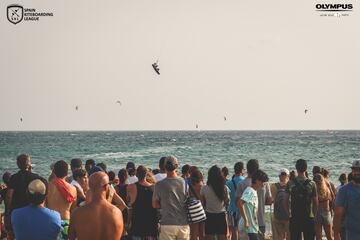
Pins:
<point x="280" y="219"/>
<point x="301" y="191"/>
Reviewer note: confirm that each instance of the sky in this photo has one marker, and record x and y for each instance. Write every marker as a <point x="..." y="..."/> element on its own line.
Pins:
<point x="258" y="63"/>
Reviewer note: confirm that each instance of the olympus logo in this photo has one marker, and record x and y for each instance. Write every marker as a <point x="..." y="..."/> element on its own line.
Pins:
<point x="334" y="7"/>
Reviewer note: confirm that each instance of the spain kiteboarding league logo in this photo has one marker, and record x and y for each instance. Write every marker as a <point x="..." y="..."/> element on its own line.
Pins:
<point x="15" y="13"/>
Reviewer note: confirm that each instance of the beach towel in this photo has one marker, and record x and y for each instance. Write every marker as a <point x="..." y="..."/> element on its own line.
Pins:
<point x="64" y="189"/>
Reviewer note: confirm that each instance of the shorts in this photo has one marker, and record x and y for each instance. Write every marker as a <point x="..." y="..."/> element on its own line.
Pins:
<point x="233" y="219"/>
<point x="323" y="217"/>
<point x="170" y="232"/>
<point x="216" y="223"/>
<point x="65" y="228"/>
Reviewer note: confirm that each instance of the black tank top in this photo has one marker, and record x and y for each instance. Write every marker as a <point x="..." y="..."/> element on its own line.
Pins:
<point x="144" y="218"/>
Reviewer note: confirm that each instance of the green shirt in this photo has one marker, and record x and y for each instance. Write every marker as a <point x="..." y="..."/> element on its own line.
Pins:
<point x="250" y="198"/>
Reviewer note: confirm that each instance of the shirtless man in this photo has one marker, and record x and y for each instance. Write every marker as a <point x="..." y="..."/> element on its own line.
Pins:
<point x="61" y="195"/>
<point x="98" y="219"/>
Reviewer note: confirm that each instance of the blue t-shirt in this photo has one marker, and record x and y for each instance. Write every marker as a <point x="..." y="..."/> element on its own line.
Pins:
<point x="34" y="223"/>
<point x="349" y="198"/>
<point x="237" y="179"/>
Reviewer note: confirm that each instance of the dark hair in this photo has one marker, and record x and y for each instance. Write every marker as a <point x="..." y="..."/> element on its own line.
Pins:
<point x="61" y="169"/>
<point x="162" y="163"/>
<point x="316" y="169"/>
<point x="325" y="173"/>
<point x="238" y="167"/>
<point x="111" y="175"/>
<point x="225" y="172"/>
<point x="185" y="169"/>
<point x="75" y="163"/>
<point x="196" y="177"/>
<point x="217" y="182"/>
<point x="292" y="175"/>
<point x="343" y="178"/>
<point x="252" y="166"/>
<point x="37" y="198"/>
<point x="259" y="175"/>
<point x="350" y="177"/>
<point x="90" y="163"/>
<point x="6" y="177"/>
<point x="79" y="173"/>
<point x="23" y="161"/>
<point x="131" y="171"/>
<point x="301" y="165"/>
<point x="102" y="165"/>
<point x="141" y="172"/>
<point x="155" y="171"/>
<point x="130" y="165"/>
<point x="123" y="175"/>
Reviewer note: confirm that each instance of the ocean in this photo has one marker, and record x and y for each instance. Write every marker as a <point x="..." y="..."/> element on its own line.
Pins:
<point x="333" y="150"/>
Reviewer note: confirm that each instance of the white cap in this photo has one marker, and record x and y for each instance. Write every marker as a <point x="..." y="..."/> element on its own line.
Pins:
<point x="284" y="170"/>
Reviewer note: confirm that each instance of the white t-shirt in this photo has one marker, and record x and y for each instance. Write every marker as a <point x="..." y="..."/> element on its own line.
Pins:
<point x="133" y="179"/>
<point x="160" y="176"/>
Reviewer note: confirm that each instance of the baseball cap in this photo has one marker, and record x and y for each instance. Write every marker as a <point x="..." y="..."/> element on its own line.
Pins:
<point x="356" y="163"/>
<point x="37" y="187"/>
<point x="284" y="170"/>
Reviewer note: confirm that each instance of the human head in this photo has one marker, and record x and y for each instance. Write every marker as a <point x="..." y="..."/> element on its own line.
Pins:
<point x="196" y="177"/>
<point x="325" y="173"/>
<point x="75" y="163"/>
<point x="258" y="179"/>
<point x="252" y="166"/>
<point x="123" y="175"/>
<point x="61" y="169"/>
<point x="239" y="168"/>
<point x="171" y="163"/>
<point x="355" y="167"/>
<point x="292" y="175"/>
<point x="322" y="189"/>
<point x="343" y="178"/>
<point x="89" y="164"/>
<point x="284" y="175"/>
<point x="112" y="176"/>
<point x="95" y="169"/>
<point x="185" y="170"/>
<point x="141" y="172"/>
<point x="103" y="166"/>
<point x="225" y="172"/>
<point x="37" y="191"/>
<point x="301" y="165"/>
<point x="23" y="162"/>
<point x="99" y="183"/>
<point x="162" y="164"/>
<point x="315" y="170"/>
<point x="131" y="169"/>
<point x="81" y="176"/>
<point x="6" y="177"/>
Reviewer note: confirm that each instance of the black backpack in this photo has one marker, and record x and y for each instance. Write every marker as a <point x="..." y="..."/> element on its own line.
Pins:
<point x="301" y="196"/>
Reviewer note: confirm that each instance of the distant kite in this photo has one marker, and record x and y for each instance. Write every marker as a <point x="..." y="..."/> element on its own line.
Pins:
<point x="156" y="67"/>
<point x="225" y="118"/>
<point x="76" y="108"/>
<point x="306" y="111"/>
<point x="119" y="102"/>
<point x="197" y="126"/>
<point x="21" y="119"/>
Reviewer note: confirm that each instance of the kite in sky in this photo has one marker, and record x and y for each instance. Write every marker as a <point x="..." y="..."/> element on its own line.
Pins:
<point x="119" y="102"/>
<point x="156" y="67"/>
<point x="76" y="107"/>
<point x="306" y="111"/>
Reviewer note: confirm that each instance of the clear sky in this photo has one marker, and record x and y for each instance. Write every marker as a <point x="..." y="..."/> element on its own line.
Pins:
<point x="259" y="63"/>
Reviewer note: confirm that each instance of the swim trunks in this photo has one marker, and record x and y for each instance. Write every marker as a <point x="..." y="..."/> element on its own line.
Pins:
<point x="65" y="228"/>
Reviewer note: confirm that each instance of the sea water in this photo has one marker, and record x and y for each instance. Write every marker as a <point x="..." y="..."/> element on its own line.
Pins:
<point x="333" y="150"/>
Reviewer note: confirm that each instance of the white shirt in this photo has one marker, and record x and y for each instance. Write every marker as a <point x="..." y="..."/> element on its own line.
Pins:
<point x="132" y="179"/>
<point x="160" y="176"/>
